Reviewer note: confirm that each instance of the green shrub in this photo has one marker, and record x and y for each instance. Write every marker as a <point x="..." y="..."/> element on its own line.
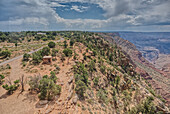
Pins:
<point x="53" y="76"/>
<point x="24" y="64"/>
<point x="26" y="57"/>
<point x="83" y="108"/>
<point x="80" y="88"/>
<point x="44" y="39"/>
<point x="11" y="88"/>
<point x="96" y="81"/>
<point x="5" y="53"/>
<point x="45" y="51"/>
<point x="58" y="68"/>
<point x="81" y="73"/>
<point x="62" y="57"/>
<point x="94" y="53"/>
<point x="68" y="52"/>
<point x="16" y="44"/>
<point x="111" y="57"/>
<point x="48" y="89"/>
<point x="37" y="57"/>
<point x="16" y="81"/>
<point x="87" y="50"/>
<point x="45" y="86"/>
<point x="51" y="44"/>
<point x="92" y="66"/>
<point x="54" y="52"/>
<point x="113" y="91"/>
<point x="145" y="107"/>
<point x="117" y="81"/>
<point x="161" y="98"/>
<point x="75" y="56"/>
<point x="71" y="42"/>
<point x="8" y="66"/>
<point x="102" y="96"/>
<point x="151" y="91"/>
<point x="84" y="56"/>
<point x="1" y="79"/>
<point x="65" y="44"/>
<point x="34" y="83"/>
<point x="103" y="69"/>
<point x="45" y="76"/>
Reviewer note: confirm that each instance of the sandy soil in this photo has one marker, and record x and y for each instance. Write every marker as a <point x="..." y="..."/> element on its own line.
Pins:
<point x="16" y="103"/>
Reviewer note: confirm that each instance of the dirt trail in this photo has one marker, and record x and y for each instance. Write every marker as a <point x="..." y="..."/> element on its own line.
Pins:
<point x="62" y="104"/>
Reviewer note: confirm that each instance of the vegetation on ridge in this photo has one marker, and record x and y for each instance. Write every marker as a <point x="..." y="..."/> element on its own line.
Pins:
<point x="98" y="76"/>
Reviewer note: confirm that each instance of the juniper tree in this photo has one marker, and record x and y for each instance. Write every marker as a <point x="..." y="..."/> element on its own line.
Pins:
<point x="51" y="44"/>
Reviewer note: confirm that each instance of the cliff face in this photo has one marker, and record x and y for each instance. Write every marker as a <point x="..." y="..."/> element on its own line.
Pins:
<point x="157" y="78"/>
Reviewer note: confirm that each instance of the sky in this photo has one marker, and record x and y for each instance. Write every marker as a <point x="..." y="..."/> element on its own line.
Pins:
<point x="85" y="15"/>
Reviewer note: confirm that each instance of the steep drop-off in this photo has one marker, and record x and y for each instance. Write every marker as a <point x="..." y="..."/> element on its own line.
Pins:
<point x="158" y="79"/>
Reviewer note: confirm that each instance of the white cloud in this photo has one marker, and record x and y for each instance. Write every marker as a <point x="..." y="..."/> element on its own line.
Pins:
<point x="28" y="20"/>
<point x="79" y="8"/>
<point x="55" y="4"/>
<point x="76" y="8"/>
<point x="120" y="14"/>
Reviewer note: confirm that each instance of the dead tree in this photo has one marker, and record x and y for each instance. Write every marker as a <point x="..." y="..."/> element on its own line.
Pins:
<point x="9" y="80"/>
<point x="22" y="83"/>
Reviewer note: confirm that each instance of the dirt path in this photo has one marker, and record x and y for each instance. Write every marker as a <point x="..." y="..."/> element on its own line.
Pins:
<point x="62" y="104"/>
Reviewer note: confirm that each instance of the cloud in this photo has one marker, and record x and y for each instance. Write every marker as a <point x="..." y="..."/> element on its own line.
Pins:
<point x="136" y="8"/>
<point x="76" y="8"/>
<point x="79" y="8"/>
<point x="119" y="15"/>
<point x="55" y="4"/>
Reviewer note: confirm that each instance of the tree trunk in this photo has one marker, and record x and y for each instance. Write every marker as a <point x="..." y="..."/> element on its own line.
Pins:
<point x="68" y="60"/>
<point x="22" y="83"/>
<point x="9" y="80"/>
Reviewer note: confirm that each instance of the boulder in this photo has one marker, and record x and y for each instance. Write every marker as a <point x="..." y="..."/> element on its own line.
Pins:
<point x="75" y="99"/>
<point x="70" y="95"/>
<point x="48" y="111"/>
<point x="61" y="83"/>
<point x="71" y="79"/>
<point x="58" y="103"/>
<point x="43" y="102"/>
<point x="46" y="106"/>
<point x="70" y="88"/>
